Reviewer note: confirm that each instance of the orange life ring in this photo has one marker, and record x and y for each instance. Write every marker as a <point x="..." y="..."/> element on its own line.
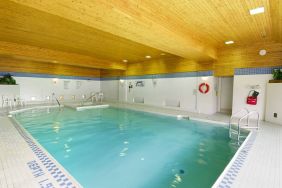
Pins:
<point x="202" y="86"/>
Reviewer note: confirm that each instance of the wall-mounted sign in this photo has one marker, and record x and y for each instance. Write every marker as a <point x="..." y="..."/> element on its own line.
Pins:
<point x="66" y="84"/>
<point x="78" y="84"/>
<point x="140" y="83"/>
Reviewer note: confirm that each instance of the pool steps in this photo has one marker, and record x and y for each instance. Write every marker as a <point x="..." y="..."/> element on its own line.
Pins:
<point x="80" y="108"/>
<point x="92" y="107"/>
<point x="245" y="115"/>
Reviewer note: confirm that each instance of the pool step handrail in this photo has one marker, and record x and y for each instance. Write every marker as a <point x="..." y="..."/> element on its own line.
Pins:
<point x="91" y="97"/>
<point x="54" y="96"/>
<point x="244" y="110"/>
<point x="98" y="96"/>
<point x="240" y="124"/>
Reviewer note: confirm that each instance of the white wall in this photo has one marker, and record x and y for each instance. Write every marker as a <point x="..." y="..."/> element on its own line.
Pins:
<point x="122" y="90"/>
<point x="9" y="91"/>
<point x="274" y="103"/>
<point x="182" y="89"/>
<point x="241" y="88"/>
<point x="39" y="88"/>
<point x="110" y="89"/>
<point x="166" y="90"/>
<point x="207" y="103"/>
<point x="225" y="94"/>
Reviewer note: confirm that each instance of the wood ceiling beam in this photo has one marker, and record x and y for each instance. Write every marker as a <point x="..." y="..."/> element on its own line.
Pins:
<point x="33" y="53"/>
<point x="134" y="20"/>
<point x="164" y="66"/>
<point x="24" y="66"/>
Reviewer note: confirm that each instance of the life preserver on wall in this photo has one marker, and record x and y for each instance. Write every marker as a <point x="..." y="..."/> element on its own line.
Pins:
<point x="204" y="88"/>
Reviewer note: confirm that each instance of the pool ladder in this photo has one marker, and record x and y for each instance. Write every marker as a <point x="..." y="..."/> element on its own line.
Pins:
<point x="92" y="96"/>
<point x="245" y="116"/>
<point x="54" y="96"/>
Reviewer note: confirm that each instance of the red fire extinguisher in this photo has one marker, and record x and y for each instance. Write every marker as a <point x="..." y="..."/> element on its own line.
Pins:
<point x="252" y="97"/>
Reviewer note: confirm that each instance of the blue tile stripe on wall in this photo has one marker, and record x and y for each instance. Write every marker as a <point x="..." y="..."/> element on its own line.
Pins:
<point x="17" y="74"/>
<point x="231" y="174"/>
<point x="252" y="71"/>
<point x="171" y="75"/>
<point x="49" y="164"/>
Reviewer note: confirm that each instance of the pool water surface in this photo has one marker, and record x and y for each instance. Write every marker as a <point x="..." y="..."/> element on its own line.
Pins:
<point x="120" y="148"/>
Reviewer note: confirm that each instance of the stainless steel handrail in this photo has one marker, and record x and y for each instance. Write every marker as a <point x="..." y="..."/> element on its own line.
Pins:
<point x="234" y="115"/>
<point x="53" y="94"/>
<point x="238" y="127"/>
<point x="248" y="122"/>
<point x="94" y="95"/>
<point x="240" y="122"/>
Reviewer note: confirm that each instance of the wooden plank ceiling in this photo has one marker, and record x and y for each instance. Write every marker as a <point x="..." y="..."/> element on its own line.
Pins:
<point x="24" y="25"/>
<point x="113" y="30"/>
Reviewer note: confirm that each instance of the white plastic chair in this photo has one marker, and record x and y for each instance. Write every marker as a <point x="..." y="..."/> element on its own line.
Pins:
<point x="18" y="101"/>
<point x="101" y="96"/>
<point x="6" y="101"/>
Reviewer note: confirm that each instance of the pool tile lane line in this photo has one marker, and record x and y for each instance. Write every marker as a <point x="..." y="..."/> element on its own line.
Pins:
<point x="229" y="175"/>
<point x="14" y="155"/>
<point x="45" y="164"/>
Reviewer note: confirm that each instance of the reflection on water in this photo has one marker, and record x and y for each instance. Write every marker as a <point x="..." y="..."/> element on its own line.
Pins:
<point x="177" y="179"/>
<point x="56" y="127"/>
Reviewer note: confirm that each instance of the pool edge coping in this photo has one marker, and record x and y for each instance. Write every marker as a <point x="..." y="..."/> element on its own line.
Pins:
<point x="19" y="128"/>
<point x="12" y="112"/>
<point x="231" y="171"/>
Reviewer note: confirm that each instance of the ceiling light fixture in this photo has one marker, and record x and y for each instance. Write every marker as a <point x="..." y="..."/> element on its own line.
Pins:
<point x="229" y="42"/>
<point x="163" y="54"/>
<point x="262" y="52"/>
<point x="125" y="60"/>
<point x="258" y="10"/>
<point x="148" y="56"/>
<point x="55" y="80"/>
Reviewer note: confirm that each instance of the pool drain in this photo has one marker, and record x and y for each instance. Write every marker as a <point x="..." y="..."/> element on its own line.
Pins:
<point x="181" y="171"/>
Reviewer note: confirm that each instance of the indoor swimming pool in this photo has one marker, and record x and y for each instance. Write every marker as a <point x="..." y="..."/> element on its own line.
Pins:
<point x="121" y="148"/>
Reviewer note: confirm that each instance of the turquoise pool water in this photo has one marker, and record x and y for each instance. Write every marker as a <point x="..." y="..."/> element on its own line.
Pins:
<point x="119" y="148"/>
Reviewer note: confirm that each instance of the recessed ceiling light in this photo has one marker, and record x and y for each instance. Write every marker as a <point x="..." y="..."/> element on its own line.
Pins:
<point x="258" y="10"/>
<point x="125" y="60"/>
<point x="163" y="54"/>
<point x="262" y="52"/>
<point x="229" y="42"/>
<point x="148" y="56"/>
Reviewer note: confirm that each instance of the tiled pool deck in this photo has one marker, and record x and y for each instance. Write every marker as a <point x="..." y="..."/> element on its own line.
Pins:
<point x="23" y="163"/>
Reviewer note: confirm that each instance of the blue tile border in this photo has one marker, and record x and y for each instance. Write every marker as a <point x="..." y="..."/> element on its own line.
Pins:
<point x="53" y="169"/>
<point x="253" y="71"/>
<point x="156" y="76"/>
<point x="238" y="71"/>
<point x="18" y="74"/>
<point x="232" y="172"/>
<point x="150" y="76"/>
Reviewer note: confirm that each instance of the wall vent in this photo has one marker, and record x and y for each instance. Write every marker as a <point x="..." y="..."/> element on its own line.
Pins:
<point x="138" y="99"/>
<point x="172" y="103"/>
